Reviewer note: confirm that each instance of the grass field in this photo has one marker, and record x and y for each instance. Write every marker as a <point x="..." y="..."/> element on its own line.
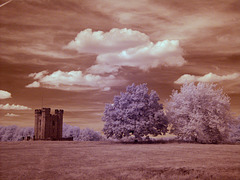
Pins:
<point x="105" y="160"/>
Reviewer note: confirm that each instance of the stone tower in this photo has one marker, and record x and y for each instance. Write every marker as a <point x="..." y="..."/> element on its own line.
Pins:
<point x="47" y="125"/>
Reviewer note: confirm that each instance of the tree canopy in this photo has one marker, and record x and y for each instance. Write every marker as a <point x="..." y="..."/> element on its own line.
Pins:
<point x="199" y="113"/>
<point x="135" y="113"/>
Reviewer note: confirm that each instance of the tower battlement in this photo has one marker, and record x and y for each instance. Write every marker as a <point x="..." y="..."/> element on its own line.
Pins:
<point x="47" y="125"/>
<point x="46" y="111"/>
<point x="38" y="111"/>
<point x="60" y="111"/>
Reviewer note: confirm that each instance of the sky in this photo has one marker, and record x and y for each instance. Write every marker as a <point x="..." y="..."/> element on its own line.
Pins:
<point x="76" y="55"/>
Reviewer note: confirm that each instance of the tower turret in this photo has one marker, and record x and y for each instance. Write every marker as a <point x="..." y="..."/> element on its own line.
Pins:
<point x="37" y="123"/>
<point x="59" y="113"/>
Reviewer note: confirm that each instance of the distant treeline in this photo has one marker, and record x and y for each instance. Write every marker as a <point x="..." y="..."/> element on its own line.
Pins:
<point x="16" y="133"/>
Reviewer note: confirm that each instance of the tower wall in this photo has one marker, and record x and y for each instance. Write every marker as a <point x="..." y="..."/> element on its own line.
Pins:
<point x="45" y="122"/>
<point x="54" y="124"/>
<point x="59" y="113"/>
<point x="37" y="128"/>
<point x="48" y="126"/>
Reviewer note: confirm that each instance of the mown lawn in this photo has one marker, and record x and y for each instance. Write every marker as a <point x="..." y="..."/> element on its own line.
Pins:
<point x="105" y="160"/>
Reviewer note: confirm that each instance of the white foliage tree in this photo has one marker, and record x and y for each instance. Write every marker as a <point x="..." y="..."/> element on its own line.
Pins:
<point x="235" y="130"/>
<point x="15" y="133"/>
<point x="135" y="113"/>
<point x="199" y="113"/>
<point x="81" y="134"/>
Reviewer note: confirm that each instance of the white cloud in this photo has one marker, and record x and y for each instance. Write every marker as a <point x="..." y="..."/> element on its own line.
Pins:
<point x="163" y="53"/>
<point x="186" y="78"/>
<point x="114" y="49"/>
<point x="125" y="47"/>
<point x="106" y="89"/>
<point x="210" y="77"/>
<point x="11" y="115"/>
<point x="38" y="75"/>
<point x="99" y="42"/>
<point x="35" y="84"/>
<point x="76" y="81"/>
<point x="13" y="107"/>
<point x="4" y="94"/>
<point x="103" y="68"/>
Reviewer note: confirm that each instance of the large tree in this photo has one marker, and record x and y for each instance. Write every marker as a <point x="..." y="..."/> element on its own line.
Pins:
<point x="199" y="113"/>
<point x="135" y="113"/>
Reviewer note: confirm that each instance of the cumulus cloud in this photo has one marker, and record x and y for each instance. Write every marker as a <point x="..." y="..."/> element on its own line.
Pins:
<point x="114" y="49"/>
<point x="11" y="115"/>
<point x="75" y="81"/>
<point x="99" y="42"/>
<point x="38" y="75"/>
<point x="125" y="47"/>
<point x="4" y="94"/>
<point x="13" y="107"/>
<point x="162" y="53"/>
<point x="35" y="84"/>
<point x="210" y="77"/>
